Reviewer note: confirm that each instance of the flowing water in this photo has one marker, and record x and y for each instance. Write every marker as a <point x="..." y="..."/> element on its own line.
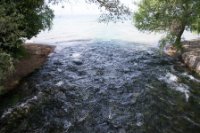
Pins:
<point x="105" y="86"/>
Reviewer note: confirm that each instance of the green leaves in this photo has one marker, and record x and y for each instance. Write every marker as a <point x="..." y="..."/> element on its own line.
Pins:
<point x="6" y="65"/>
<point x="20" y="19"/>
<point x="10" y="34"/>
<point x="169" y="16"/>
<point x="37" y="16"/>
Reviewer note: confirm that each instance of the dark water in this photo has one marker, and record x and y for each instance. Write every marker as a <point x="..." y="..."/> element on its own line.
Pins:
<point x="105" y="87"/>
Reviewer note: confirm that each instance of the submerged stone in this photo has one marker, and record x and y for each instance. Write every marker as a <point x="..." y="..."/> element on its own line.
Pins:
<point x="77" y="62"/>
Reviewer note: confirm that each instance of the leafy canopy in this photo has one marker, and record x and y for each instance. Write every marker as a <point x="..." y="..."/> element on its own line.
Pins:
<point x="37" y="16"/>
<point x="10" y="32"/>
<point x="170" y="16"/>
<point x="112" y="10"/>
<point x="19" y="19"/>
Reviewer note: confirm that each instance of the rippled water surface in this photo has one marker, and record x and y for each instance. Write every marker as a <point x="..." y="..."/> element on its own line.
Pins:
<point x="105" y="87"/>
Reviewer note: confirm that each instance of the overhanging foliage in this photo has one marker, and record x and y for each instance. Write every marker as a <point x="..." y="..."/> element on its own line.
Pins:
<point x="170" y="16"/>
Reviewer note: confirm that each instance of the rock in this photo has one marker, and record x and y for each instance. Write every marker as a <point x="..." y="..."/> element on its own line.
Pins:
<point x="171" y="51"/>
<point x="191" y="55"/>
<point x="58" y="63"/>
<point x="77" y="62"/>
<point x="39" y="49"/>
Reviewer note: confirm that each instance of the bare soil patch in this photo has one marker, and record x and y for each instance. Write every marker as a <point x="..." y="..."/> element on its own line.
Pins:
<point x="37" y="55"/>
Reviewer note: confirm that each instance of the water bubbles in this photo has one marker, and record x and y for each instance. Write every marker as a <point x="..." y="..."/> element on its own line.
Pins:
<point x="172" y="82"/>
<point x="139" y="119"/>
<point x="191" y="77"/>
<point x="59" y="70"/>
<point x="171" y="77"/>
<point x="184" y="89"/>
<point x="76" y="55"/>
<point x="110" y="115"/>
<point x="76" y="58"/>
<point x="67" y="125"/>
<point x="60" y="83"/>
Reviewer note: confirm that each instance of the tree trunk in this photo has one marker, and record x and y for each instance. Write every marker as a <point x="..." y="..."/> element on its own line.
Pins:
<point x="177" y="43"/>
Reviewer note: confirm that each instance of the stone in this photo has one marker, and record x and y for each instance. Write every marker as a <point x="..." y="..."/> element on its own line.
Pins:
<point x="77" y="62"/>
<point x="191" y="55"/>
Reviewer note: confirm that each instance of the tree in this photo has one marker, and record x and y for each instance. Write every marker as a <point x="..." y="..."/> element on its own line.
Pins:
<point x="170" y="16"/>
<point x="21" y="19"/>
<point x="37" y="16"/>
<point x="112" y="10"/>
<point x="6" y="67"/>
<point x="115" y="10"/>
<point x="10" y="34"/>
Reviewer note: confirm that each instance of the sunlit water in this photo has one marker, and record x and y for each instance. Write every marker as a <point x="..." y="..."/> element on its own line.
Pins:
<point x="103" y="79"/>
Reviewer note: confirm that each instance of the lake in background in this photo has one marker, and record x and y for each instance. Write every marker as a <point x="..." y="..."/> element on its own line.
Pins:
<point x="103" y="78"/>
<point x="82" y="27"/>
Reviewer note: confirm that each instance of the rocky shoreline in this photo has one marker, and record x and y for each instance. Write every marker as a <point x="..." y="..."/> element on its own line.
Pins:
<point x="191" y="55"/>
<point x="37" y="55"/>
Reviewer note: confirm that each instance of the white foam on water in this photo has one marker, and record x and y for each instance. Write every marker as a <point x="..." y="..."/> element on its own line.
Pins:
<point x="59" y="70"/>
<point x="139" y="124"/>
<point x="172" y="81"/>
<point x="184" y="89"/>
<point x="190" y="77"/>
<point x="172" y="77"/>
<point x="60" y="83"/>
<point x="76" y="55"/>
<point x="169" y="78"/>
<point x="139" y="117"/>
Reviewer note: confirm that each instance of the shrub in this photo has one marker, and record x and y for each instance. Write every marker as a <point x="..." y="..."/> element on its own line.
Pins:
<point x="6" y="67"/>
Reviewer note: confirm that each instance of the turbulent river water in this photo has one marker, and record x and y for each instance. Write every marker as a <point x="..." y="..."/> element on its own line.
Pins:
<point x="93" y="86"/>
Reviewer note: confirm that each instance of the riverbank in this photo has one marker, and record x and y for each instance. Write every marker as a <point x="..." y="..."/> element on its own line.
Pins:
<point x="191" y="55"/>
<point x="37" y="54"/>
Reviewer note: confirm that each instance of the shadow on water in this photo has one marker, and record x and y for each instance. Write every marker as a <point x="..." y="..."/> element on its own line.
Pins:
<point x="105" y="86"/>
